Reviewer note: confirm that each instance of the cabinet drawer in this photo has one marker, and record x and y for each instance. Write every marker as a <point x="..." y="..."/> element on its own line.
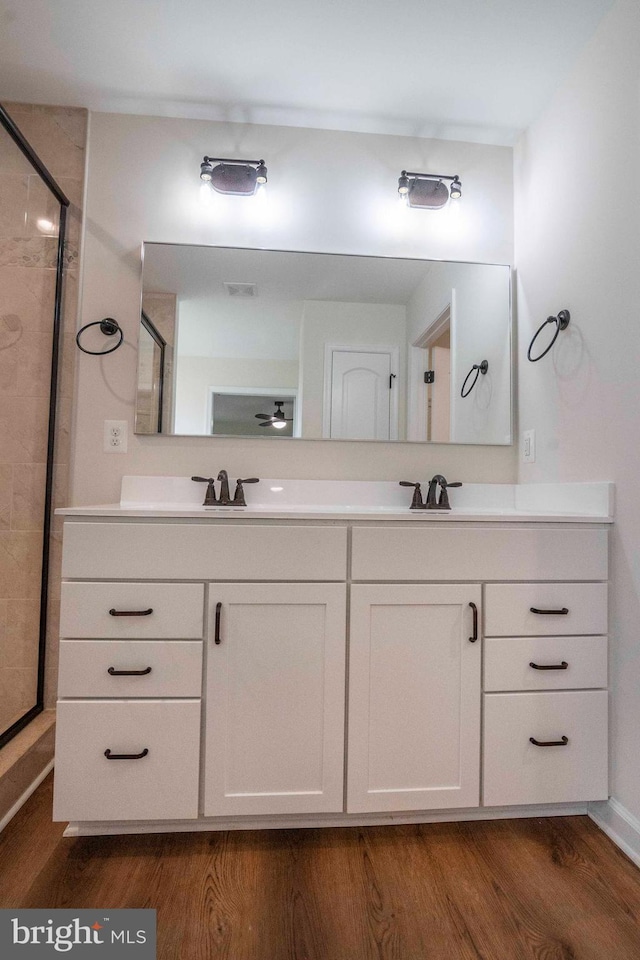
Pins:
<point x="518" y="771"/>
<point x="163" y="785"/>
<point x="507" y="663"/>
<point x="428" y="551"/>
<point x="165" y="668"/>
<point x="203" y="551"/>
<point x="508" y="609"/>
<point x="177" y="610"/>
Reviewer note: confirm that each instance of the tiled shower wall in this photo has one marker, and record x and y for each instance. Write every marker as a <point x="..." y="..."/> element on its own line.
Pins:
<point x="27" y="281"/>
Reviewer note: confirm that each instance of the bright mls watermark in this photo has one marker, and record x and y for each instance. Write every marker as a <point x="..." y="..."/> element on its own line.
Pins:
<point x="78" y="933"/>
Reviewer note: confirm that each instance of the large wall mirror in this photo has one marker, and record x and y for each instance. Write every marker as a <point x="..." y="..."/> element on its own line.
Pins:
<point x="264" y="343"/>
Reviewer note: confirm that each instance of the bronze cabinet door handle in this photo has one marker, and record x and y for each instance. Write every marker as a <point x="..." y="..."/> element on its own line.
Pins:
<point x="216" y="638"/>
<point x="549" y="666"/>
<point x="128" y="673"/>
<point x="474" y="636"/>
<point x="550" y="743"/>
<point x="130" y="613"/>
<point x="126" y="756"/>
<point x="560" y="613"/>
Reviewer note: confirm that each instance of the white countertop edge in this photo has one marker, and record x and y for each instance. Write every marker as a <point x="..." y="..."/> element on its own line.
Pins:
<point x="114" y="510"/>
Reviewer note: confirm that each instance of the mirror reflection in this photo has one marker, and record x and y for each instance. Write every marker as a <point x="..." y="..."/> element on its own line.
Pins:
<point x="242" y="342"/>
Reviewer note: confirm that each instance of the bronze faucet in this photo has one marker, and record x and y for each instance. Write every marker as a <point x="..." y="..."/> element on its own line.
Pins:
<point x="442" y="502"/>
<point x="225" y="499"/>
<point x="433" y="502"/>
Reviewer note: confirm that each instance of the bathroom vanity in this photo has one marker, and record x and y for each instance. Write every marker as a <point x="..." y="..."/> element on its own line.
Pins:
<point x="327" y="656"/>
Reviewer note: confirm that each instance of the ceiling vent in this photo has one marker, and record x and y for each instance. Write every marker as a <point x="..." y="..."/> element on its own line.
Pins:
<point x="241" y="289"/>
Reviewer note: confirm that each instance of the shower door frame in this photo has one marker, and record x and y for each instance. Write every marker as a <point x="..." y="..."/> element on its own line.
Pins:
<point x="23" y="145"/>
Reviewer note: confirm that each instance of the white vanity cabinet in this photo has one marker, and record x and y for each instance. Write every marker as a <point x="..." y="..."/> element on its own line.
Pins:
<point x="327" y="670"/>
<point x="274" y="733"/>
<point x="545" y="598"/>
<point x="128" y="715"/>
<point x="414" y="697"/>
<point x="545" y="701"/>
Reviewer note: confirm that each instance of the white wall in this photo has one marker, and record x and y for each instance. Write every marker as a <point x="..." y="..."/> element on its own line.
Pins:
<point x="196" y="375"/>
<point x="328" y="191"/>
<point x="577" y="191"/>
<point x="227" y="343"/>
<point x="479" y="331"/>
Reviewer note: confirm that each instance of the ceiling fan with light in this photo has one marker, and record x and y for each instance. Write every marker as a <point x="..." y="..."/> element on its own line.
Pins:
<point x="277" y="419"/>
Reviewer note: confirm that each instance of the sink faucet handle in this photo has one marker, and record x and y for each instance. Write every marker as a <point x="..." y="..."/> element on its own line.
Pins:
<point x="416" y="502"/>
<point x="210" y="496"/>
<point x="443" y="499"/>
<point x="238" y="497"/>
<point x="442" y="502"/>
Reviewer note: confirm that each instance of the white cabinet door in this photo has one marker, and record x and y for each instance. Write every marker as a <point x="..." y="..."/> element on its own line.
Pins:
<point x="414" y="698"/>
<point x="275" y="699"/>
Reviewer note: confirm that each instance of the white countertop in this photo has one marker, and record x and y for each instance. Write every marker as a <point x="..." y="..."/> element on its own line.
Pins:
<point x="277" y="499"/>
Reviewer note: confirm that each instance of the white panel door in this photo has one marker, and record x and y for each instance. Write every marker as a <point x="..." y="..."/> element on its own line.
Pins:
<point x="414" y="698"/>
<point x="275" y="699"/>
<point x="360" y="395"/>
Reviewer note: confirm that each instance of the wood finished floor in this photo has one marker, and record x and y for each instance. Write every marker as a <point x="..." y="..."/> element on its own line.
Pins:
<point x="549" y="889"/>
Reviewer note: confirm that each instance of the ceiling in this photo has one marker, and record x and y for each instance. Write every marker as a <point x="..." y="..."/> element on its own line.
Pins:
<point x="197" y="272"/>
<point x="477" y="70"/>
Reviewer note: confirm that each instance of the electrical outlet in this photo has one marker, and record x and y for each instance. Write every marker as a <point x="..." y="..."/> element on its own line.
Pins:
<point x="529" y="446"/>
<point x="115" y="436"/>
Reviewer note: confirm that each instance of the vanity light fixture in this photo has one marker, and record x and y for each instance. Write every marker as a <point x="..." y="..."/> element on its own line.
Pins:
<point x="428" y="191"/>
<point x="239" y="178"/>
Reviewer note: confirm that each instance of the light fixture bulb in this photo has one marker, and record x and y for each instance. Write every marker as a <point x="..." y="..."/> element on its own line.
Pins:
<point x="206" y="170"/>
<point x="403" y="184"/>
<point x="261" y="172"/>
<point x="279" y="424"/>
<point x="455" y="190"/>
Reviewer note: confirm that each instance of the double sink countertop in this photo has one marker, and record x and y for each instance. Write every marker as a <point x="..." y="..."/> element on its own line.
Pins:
<point x="278" y="499"/>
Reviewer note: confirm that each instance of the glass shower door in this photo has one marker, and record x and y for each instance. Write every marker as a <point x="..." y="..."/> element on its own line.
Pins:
<point x="32" y="222"/>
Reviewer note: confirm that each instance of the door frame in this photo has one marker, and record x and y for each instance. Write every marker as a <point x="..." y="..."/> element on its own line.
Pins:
<point x="394" y="363"/>
<point x="417" y="362"/>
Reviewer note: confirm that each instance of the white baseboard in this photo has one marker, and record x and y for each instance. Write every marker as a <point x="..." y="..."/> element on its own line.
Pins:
<point x="10" y="814"/>
<point x="111" y="828"/>
<point x="618" y="824"/>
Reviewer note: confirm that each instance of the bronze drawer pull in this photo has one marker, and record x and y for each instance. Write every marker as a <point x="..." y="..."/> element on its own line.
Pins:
<point x="550" y="743"/>
<point x="217" y="638"/>
<point x="125" y="756"/>
<point x="130" y="613"/>
<point x="128" y="673"/>
<point x="563" y="612"/>
<point x="473" y="638"/>
<point x="549" y="666"/>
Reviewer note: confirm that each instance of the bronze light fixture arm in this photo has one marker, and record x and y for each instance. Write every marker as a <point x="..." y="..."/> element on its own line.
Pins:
<point x="252" y="163"/>
<point x="429" y="176"/>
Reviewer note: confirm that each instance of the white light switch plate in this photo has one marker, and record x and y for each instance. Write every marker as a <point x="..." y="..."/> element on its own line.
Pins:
<point x="529" y="446"/>
<point x="116" y="433"/>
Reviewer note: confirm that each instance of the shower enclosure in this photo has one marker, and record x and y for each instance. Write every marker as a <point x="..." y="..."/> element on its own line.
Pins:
<point x="32" y="237"/>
